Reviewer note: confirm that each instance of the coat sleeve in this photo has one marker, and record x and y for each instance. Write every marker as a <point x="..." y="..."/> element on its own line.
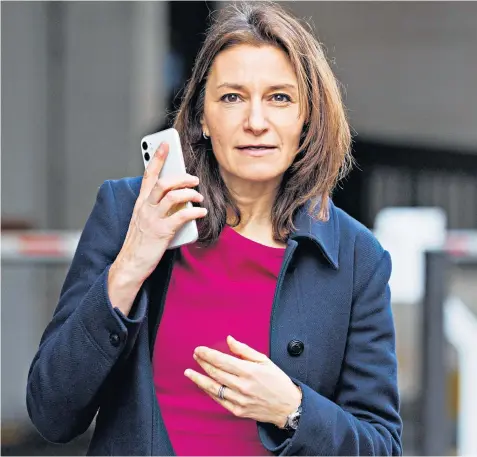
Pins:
<point x="363" y="418"/>
<point x="86" y="335"/>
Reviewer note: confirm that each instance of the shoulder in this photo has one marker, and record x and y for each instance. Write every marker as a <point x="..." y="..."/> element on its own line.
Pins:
<point x="121" y="193"/>
<point x="351" y="231"/>
<point x="117" y="197"/>
<point x="127" y="188"/>
<point x="369" y="256"/>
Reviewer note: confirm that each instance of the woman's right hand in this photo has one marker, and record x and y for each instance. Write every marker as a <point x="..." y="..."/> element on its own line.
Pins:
<point x="152" y="227"/>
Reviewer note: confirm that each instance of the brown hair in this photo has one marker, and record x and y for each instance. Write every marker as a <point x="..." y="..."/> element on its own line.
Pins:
<point x="324" y="156"/>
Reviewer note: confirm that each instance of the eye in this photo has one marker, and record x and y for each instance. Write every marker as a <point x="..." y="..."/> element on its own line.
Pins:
<point x="230" y="98"/>
<point x="281" y="98"/>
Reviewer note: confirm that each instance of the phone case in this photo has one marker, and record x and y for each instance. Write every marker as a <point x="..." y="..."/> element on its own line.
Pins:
<point x="173" y="166"/>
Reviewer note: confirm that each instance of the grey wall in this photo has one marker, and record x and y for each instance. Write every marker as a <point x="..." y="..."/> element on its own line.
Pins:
<point x="24" y="101"/>
<point x="81" y="83"/>
<point x="24" y="107"/>
<point x="112" y="90"/>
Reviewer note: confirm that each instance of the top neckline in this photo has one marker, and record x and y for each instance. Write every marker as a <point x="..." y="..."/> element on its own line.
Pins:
<point x="229" y="232"/>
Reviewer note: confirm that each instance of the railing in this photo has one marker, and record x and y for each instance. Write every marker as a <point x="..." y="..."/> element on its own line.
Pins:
<point x="447" y="319"/>
<point x="461" y="331"/>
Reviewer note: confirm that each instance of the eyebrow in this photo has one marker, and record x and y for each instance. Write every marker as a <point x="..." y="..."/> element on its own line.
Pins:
<point x="241" y="87"/>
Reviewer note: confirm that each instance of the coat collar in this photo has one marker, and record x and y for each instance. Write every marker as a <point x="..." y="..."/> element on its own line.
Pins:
<point x="323" y="234"/>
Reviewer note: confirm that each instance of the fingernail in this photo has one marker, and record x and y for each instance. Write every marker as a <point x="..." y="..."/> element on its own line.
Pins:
<point x="187" y="373"/>
<point x="160" y="150"/>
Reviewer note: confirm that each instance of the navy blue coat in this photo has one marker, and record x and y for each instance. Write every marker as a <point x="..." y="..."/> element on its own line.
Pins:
<point x="332" y="295"/>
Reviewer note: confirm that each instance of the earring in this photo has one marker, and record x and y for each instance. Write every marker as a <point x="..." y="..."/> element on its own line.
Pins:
<point x="205" y="136"/>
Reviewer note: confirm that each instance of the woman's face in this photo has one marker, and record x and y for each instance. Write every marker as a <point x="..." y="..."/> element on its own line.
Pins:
<point x="251" y="113"/>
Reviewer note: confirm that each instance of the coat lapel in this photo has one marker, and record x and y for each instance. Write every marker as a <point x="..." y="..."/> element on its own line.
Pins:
<point x="307" y="306"/>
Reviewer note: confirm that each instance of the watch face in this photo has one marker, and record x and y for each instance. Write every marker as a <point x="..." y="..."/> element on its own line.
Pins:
<point x="294" y="419"/>
<point x="294" y="422"/>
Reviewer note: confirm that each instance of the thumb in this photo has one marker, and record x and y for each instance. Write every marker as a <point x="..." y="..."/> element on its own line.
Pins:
<point x="245" y="352"/>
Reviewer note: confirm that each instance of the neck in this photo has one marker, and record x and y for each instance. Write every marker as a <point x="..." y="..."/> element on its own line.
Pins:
<point x="255" y="201"/>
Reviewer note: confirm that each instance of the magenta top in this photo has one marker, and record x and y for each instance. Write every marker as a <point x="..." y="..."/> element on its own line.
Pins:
<point x="224" y="289"/>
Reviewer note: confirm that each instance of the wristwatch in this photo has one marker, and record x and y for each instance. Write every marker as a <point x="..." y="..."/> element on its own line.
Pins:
<point x="292" y="420"/>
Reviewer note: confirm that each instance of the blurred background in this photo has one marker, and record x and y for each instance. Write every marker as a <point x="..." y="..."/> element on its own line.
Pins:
<point x="82" y="82"/>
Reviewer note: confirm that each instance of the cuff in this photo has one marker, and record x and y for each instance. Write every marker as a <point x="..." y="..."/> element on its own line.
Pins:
<point x="135" y="318"/>
<point x="274" y="438"/>
<point x="280" y="442"/>
<point x="101" y="321"/>
<point x="138" y="310"/>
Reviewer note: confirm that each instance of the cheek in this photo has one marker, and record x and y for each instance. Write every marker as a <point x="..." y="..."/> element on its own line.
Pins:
<point x="290" y="126"/>
<point x="227" y="122"/>
<point x="218" y="144"/>
<point x="223" y="128"/>
<point x="291" y="135"/>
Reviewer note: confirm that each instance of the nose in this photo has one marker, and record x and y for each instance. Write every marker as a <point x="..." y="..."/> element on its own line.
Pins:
<point x="256" y="120"/>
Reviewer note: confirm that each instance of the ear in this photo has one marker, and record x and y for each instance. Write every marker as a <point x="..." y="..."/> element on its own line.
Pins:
<point x="205" y="129"/>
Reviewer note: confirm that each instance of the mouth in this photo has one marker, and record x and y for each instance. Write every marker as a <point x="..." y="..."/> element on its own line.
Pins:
<point x="257" y="150"/>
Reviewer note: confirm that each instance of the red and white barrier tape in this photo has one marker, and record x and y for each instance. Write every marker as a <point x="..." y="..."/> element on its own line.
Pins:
<point x="61" y="245"/>
<point x="461" y="242"/>
<point x="18" y="245"/>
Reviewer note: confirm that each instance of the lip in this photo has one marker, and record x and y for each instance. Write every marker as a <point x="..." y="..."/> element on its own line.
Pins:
<point x="251" y="151"/>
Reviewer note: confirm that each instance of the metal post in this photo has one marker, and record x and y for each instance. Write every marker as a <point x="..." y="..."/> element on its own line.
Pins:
<point x="435" y="424"/>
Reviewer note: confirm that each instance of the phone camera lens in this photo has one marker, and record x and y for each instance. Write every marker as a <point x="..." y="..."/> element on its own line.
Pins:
<point x="144" y="145"/>
<point x="147" y="156"/>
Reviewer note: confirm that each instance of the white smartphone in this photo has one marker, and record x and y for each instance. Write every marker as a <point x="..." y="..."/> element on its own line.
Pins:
<point x="173" y="166"/>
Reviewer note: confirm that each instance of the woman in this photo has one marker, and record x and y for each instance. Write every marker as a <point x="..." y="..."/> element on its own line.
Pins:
<point x="271" y="335"/>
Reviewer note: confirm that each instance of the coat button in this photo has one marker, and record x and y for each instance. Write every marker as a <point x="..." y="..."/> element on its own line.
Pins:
<point x="114" y="339"/>
<point x="295" y="347"/>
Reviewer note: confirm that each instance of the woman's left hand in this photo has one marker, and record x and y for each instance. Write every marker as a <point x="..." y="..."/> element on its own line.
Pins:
<point x="256" y="387"/>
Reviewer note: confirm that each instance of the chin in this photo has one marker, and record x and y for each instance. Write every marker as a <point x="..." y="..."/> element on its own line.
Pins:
<point x="259" y="173"/>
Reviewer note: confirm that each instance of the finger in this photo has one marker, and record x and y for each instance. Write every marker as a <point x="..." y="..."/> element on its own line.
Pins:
<point x="222" y="377"/>
<point x="225" y="362"/>
<point x="233" y="407"/>
<point x="152" y="171"/>
<point x="245" y="351"/>
<point x="163" y="186"/>
<point x="181" y="217"/>
<point x="231" y="399"/>
<point x="176" y="199"/>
